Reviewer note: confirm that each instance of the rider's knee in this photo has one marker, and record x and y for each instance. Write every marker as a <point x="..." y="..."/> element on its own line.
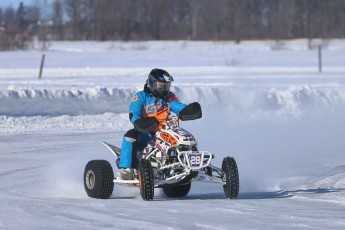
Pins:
<point x="131" y="135"/>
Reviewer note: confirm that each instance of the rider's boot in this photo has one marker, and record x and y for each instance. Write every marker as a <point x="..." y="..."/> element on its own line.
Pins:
<point x="126" y="174"/>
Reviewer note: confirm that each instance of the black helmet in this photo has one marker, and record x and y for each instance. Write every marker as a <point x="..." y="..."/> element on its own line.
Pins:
<point x="159" y="82"/>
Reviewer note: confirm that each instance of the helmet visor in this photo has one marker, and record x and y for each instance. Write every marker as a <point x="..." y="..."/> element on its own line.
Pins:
<point x="161" y="86"/>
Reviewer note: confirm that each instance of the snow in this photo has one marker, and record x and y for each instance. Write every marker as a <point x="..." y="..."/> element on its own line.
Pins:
<point x="264" y="103"/>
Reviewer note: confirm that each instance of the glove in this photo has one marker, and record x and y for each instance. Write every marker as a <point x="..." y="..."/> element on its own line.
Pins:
<point x="146" y="125"/>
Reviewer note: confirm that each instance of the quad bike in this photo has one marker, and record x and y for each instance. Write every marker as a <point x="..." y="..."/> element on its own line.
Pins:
<point x="171" y="161"/>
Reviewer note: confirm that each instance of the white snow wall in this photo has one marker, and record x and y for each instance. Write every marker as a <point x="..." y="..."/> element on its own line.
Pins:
<point x="239" y="103"/>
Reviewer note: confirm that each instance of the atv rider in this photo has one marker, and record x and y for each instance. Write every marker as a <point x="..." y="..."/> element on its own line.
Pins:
<point x="147" y="110"/>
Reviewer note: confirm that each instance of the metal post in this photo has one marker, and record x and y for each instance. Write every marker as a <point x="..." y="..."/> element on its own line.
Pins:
<point x="320" y="60"/>
<point x="41" y="68"/>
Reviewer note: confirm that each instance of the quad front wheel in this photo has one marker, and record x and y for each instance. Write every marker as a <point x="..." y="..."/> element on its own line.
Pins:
<point x="146" y="182"/>
<point x="230" y="177"/>
<point x="98" y="179"/>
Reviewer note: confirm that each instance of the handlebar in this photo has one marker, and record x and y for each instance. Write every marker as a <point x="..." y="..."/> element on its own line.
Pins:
<point x="170" y="121"/>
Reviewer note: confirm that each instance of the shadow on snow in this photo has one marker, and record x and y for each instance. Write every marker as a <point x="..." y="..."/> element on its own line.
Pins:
<point x="287" y="194"/>
<point x="254" y="195"/>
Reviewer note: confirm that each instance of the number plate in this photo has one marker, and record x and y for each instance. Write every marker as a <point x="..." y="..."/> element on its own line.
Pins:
<point x="195" y="160"/>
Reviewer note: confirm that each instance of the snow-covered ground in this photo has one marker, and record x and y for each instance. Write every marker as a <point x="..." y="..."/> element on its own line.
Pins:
<point x="265" y="103"/>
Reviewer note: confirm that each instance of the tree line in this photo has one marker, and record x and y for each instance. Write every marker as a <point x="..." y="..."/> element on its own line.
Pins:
<point x="177" y="19"/>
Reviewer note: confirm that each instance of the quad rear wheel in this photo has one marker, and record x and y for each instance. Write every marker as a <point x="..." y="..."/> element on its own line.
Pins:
<point x="177" y="191"/>
<point x="230" y="178"/>
<point x="98" y="179"/>
<point x="146" y="182"/>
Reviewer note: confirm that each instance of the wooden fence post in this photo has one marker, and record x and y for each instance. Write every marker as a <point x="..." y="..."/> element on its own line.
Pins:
<point x="41" y="68"/>
<point x="320" y="59"/>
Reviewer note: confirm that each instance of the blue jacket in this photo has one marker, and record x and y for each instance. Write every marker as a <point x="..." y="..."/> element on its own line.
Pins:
<point x="144" y="104"/>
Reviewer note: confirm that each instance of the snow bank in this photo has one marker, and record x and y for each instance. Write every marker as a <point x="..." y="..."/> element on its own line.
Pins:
<point x="29" y="102"/>
<point x="239" y="103"/>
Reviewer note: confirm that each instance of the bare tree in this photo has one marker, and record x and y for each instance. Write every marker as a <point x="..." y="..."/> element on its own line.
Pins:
<point x="74" y="12"/>
<point x="57" y="16"/>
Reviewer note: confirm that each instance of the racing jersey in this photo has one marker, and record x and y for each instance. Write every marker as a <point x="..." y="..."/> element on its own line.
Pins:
<point x="145" y="104"/>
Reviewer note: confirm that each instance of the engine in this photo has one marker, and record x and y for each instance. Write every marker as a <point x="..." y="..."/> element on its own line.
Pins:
<point x="166" y="144"/>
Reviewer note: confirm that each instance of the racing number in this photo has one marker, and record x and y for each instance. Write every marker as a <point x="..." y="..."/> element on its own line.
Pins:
<point x="195" y="160"/>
